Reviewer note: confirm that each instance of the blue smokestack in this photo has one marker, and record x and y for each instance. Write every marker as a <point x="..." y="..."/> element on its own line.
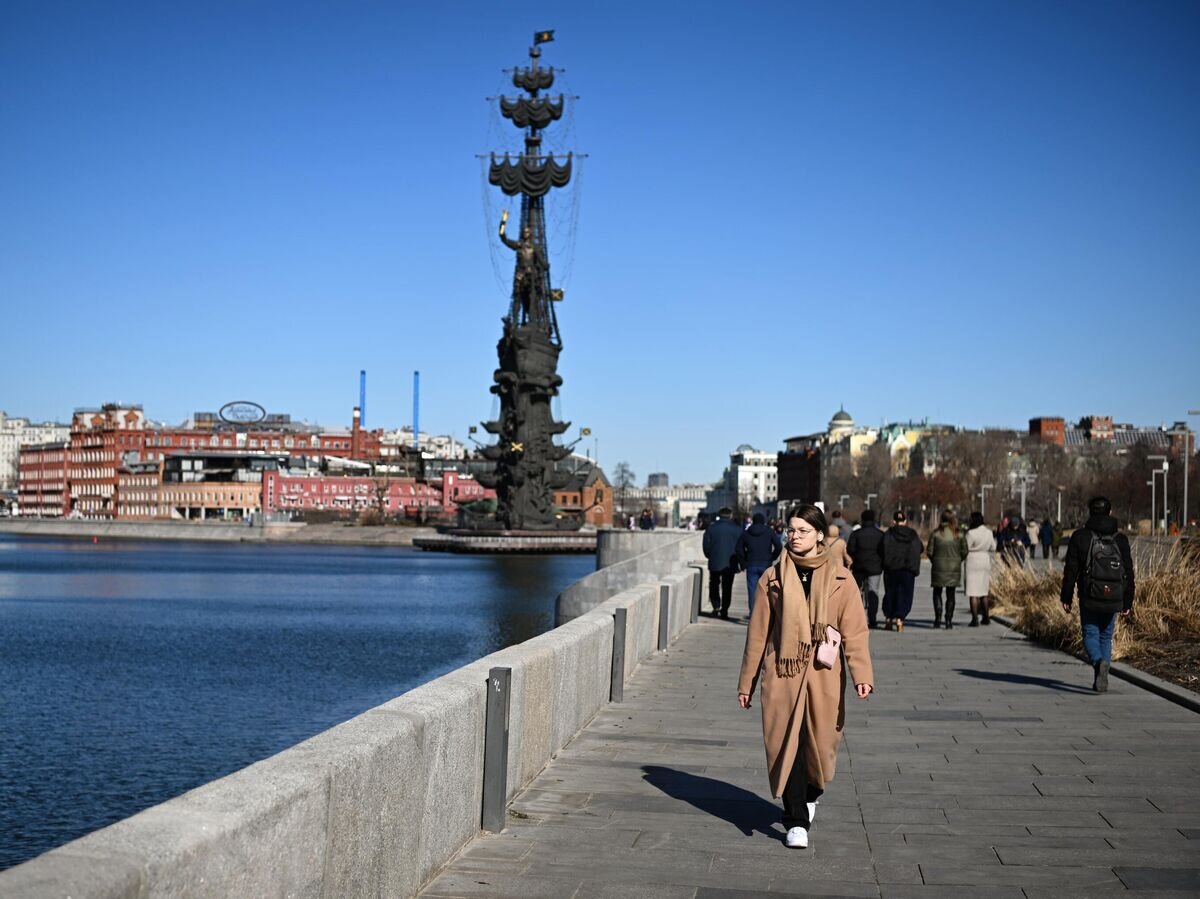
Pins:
<point x="362" y="398"/>
<point x="416" y="410"/>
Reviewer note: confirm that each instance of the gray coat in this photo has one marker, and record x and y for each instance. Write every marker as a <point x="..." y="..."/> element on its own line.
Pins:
<point x="720" y="540"/>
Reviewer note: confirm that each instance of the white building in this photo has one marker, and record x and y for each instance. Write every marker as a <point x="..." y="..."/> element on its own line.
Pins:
<point x="18" y="432"/>
<point x="436" y="446"/>
<point x="750" y="480"/>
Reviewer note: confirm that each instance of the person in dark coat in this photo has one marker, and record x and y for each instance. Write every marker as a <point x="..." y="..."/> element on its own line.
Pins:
<point x="1090" y="553"/>
<point x="646" y="520"/>
<point x="720" y="541"/>
<point x="1012" y="542"/>
<point x="757" y="548"/>
<point x="1046" y="537"/>
<point x="901" y="551"/>
<point x="865" y="547"/>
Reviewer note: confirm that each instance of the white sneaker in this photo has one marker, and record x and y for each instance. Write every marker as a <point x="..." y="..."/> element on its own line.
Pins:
<point x="797" y="838"/>
<point x="812" y="812"/>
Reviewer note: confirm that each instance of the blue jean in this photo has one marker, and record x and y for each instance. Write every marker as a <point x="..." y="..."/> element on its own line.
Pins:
<point x="753" y="573"/>
<point x="1097" y="634"/>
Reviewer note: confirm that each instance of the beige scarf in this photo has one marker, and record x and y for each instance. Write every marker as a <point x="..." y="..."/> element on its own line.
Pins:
<point x="802" y="616"/>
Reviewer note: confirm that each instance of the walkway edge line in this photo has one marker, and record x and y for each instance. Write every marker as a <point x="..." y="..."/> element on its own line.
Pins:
<point x="1167" y="690"/>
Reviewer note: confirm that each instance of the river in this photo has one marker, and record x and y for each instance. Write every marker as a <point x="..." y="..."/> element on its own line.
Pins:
<point x="131" y="672"/>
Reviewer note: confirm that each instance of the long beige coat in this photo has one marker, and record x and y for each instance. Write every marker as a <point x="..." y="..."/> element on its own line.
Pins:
<point x="818" y="694"/>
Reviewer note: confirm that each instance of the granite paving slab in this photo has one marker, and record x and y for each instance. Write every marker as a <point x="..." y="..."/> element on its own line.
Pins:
<point x="983" y="766"/>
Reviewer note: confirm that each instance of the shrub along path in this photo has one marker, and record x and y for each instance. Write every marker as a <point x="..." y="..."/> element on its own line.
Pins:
<point x="983" y="766"/>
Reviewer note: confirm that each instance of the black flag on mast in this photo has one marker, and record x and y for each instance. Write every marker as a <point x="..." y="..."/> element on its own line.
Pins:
<point x="541" y="37"/>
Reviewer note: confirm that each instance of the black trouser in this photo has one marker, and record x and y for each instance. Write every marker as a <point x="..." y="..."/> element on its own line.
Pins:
<point x="720" y="589"/>
<point x="937" y="602"/>
<point x="798" y="792"/>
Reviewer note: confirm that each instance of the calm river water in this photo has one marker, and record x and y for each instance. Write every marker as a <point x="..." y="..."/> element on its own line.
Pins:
<point x="131" y="672"/>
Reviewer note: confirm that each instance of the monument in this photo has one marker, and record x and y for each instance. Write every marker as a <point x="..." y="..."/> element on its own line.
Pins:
<point x="525" y="454"/>
<point x="525" y="458"/>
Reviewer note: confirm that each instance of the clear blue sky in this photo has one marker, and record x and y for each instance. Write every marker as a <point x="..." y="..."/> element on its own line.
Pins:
<point x="977" y="212"/>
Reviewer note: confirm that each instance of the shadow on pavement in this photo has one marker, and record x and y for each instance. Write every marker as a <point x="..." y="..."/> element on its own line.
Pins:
<point x="1024" y="679"/>
<point x="746" y="811"/>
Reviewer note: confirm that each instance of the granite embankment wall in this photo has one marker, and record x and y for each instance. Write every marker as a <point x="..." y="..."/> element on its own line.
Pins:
<point x="375" y="806"/>
<point x="626" y="558"/>
<point x="214" y="531"/>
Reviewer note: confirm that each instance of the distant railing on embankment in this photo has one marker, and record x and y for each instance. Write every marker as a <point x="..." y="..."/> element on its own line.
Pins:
<point x="377" y="805"/>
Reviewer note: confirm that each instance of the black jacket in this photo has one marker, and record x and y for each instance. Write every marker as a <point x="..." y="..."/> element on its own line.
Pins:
<point x="720" y="539"/>
<point x="758" y="545"/>
<point x="901" y="549"/>
<point x="1075" y="572"/>
<point x="866" y="547"/>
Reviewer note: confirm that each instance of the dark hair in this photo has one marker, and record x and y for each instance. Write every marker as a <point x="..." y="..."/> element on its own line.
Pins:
<point x="812" y="514"/>
<point x="947" y="518"/>
<point x="759" y="518"/>
<point x="868" y="516"/>
<point x="1099" y="505"/>
<point x="976" y="519"/>
<point x="899" y="516"/>
<point x="725" y="511"/>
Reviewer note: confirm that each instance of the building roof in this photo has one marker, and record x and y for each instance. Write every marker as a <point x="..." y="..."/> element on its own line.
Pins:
<point x="841" y="416"/>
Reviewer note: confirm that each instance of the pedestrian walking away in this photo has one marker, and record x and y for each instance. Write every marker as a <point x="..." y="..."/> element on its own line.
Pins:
<point x="807" y="598"/>
<point x="720" y="541"/>
<point x="901" y="551"/>
<point x="757" y="547"/>
<point x="1033" y="530"/>
<point x="1012" y="542"/>
<point x="981" y="544"/>
<point x="866" y="547"/>
<point x="646" y="520"/>
<point x="1046" y="537"/>
<point x="837" y="546"/>
<point x="947" y="551"/>
<point x="1100" y="566"/>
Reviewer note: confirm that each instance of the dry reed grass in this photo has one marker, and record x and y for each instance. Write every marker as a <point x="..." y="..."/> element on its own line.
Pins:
<point x="1162" y="634"/>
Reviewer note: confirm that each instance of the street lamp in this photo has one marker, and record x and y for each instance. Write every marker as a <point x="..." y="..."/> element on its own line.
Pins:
<point x="984" y="488"/>
<point x="843" y="498"/>
<point x="1025" y="479"/>
<point x="1059" y="488"/>
<point x="1153" y="472"/>
<point x="871" y="496"/>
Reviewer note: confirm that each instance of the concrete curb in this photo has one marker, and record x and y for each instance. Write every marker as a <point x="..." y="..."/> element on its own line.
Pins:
<point x="1137" y="677"/>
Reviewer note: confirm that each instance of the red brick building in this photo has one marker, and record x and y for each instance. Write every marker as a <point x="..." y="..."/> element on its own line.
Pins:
<point x="439" y="497"/>
<point x="42" y="480"/>
<point x="1048" y="430"/>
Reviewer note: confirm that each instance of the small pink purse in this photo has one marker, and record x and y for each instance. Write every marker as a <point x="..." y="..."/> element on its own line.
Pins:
<point x="828" y="649"/>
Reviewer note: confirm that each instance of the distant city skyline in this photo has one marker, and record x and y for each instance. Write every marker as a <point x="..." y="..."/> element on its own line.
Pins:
<point x="978" y="214"/>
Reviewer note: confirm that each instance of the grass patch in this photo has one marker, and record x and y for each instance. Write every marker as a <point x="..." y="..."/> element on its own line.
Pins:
<point x="1161" y="636"/>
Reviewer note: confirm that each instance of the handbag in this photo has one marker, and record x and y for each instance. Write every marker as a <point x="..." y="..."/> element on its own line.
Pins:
<point x="828" y="649"/>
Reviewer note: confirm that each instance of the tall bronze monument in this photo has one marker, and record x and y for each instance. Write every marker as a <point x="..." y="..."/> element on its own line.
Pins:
<point x="525" y="454"/>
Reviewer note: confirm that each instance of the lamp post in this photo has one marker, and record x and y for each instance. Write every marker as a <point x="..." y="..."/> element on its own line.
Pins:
<point x="871" y="496"/>
<point x="1059" y="488"/>
<point x="1025" y="479"/>
<point x="1152" y="484"/>
<point x="983" y="489"/>
<point x="842" y="500"/>
<point x="1153" y="472"/>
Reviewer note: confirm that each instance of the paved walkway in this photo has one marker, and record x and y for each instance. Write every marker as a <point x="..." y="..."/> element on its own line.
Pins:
<point x="982" y="767"/>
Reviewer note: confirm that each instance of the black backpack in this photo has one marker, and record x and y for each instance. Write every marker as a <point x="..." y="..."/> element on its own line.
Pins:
<point x="1106" y="573"/>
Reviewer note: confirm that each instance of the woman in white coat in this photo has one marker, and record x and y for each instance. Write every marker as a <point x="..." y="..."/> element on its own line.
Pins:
<point x="981" y="543"/>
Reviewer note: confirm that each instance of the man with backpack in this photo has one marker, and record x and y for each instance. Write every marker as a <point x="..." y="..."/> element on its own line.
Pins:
<point x="901" y="552"/>
<point x="1100" y="565"/>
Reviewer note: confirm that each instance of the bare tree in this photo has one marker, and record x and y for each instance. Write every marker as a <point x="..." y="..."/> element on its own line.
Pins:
<point x="623" y="479"/>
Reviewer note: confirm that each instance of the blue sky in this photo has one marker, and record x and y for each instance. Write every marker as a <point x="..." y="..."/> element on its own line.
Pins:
<point x="976" y="212"/>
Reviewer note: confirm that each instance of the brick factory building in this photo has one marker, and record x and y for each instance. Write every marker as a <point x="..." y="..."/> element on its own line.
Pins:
<point x="42" y="480"/>
<point x="351" y="495"/>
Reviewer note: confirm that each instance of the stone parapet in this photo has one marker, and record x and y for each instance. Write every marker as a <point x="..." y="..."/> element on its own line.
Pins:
<point x="377" y="805"/>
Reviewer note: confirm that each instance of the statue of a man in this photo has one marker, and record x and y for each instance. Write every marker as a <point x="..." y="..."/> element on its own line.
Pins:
<point x="531" y="260"/>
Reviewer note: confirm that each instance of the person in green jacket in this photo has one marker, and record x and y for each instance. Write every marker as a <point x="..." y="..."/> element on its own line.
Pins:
<point x="947" y="551"/>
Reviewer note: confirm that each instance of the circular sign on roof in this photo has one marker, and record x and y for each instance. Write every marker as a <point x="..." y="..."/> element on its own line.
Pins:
<point x="242" y="412"/>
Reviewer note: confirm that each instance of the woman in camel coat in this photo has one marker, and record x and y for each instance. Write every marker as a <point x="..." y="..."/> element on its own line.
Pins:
<point x="803" y="705"/>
